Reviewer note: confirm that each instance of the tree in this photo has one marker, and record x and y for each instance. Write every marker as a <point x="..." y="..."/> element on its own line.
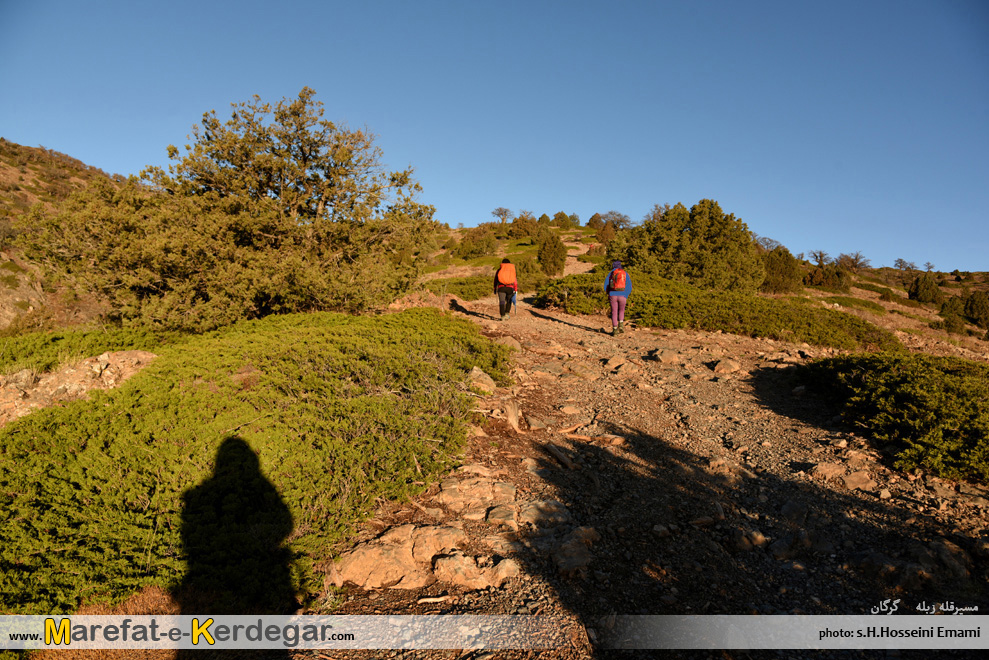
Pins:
<point x="544" y="219"/>
<point x="924" y="289"/>
<point x="766" y="243"/>
<point x="820" y="257"/>
<point x="552" y="254"/>
<point x="619" y="220"/>
<point x="274" y="210"/>
<point x="782" y="271"/>
<point x="595" y="222"/>
<point x="903" y="264"/>
<point x="929" y="267"/>
<point x="854" y="262"/>
<point x="503" y="214"/>
<point x="564" y="221"/>
<point x="703" y="246"/>
<point x="977" y="308"/>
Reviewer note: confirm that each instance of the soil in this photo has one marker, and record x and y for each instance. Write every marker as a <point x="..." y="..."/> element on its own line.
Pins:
<point x="717" y="482"/>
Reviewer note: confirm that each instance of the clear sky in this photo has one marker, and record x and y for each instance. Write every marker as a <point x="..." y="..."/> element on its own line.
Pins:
<point x="833" y="125"/>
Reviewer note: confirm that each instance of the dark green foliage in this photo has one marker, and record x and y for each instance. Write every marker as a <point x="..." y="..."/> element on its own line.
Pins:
<point x="275" y="210"/>
<point x="523" y="226"/>
<point x="885" y="293"/>
<point x="552" y="253"/>
<point x="595" y="222"/>
<point x="703" y="246"/>
<point x="46" y="351"/>
<point x="662" y="303"/>
<point x="830" y="277"/>
<point x="783" y="273"/>
<point x="924" y="289"/>
<point x="363" y="407"/>
<point x="529" y="272"/>
<point x="977" y="308"/>
<point x="934" y="411"/>
<point x="465" y="288"/>
<point x="477" y="242"/>
<point x="953" y="306"/>
<point x="564" y="221"/>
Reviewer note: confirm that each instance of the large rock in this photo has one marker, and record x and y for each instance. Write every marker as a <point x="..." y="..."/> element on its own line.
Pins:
<point x="481" y="381"/>
<point x="464" y="571"/>
<point x="377" y="565"/>
<point x="860" y="480"/>
<point x="544" y="513"/>
<point x="474" y="493"/>
<point x="574" y="553"/>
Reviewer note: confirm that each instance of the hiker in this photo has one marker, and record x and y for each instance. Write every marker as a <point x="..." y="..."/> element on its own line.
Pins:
<point x="506" y="286"/>
<point x="617" y="285"/>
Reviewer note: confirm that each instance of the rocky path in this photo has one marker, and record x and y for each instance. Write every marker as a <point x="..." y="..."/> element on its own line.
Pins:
<point x="660" y="472"/>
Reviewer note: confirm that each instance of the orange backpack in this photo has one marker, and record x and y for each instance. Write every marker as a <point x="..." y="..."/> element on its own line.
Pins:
<point x="618" y="280"/>
<point x="506" y="274"/>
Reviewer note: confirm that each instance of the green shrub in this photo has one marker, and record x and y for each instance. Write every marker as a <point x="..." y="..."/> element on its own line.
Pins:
<point x="340" y="410"/>
<point x="977" y="308"/>
<point x="924" y="289"/>
<point x="465" y="288"/>
<point x="477" y="242"/>
<point x="933" y="411"/>
<point x="830" y="277"/>
<point x="783" y="273"/>
<point x="704" y="247"/>
<point x="552" y="253"/>
<point x="659" y="302"/>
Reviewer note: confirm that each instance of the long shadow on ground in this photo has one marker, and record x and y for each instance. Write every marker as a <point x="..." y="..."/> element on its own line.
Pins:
<point x="783" y="546"/>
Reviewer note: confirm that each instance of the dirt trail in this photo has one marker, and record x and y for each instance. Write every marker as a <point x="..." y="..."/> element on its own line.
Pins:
<point x="695" y="475"/>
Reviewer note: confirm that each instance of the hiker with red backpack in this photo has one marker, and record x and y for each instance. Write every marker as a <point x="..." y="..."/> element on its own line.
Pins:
<point x="617" y="285"/>
<point x="506" y="285"/>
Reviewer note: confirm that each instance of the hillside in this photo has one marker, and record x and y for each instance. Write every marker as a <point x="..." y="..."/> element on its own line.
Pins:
<point x="441" y="461"/>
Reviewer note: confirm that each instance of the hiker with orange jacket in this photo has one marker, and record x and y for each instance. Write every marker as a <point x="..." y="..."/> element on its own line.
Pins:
<point x="506" y="285"/>
<point x="617" y="285"/>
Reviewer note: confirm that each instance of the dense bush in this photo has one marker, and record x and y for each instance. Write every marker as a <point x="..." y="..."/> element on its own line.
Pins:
<point x="477" y="242"/>
<point x="365" y="407"/>
<point x="659" y="302"/>
<point x="275" y="210"/>
<point x="552" y="253"/>
<point x="977" y="308"/>
<point x="783" y="273"/>
<point x="465" y="288"/>
<point x="831" y="277"/>
<point x="704" y="247"/>
<point x="933" y="411"/>
<point x="924" y="289"/>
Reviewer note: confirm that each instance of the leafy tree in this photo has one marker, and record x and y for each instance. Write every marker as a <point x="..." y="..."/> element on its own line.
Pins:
<point x="606" y="233"/>
<point x="552" y="254"/>
<point x="477" y="242"/>
<point x="544" y="219"/>
<point x="595" y="222"/>
<point x="524" y="226"/>
<point x="782" y="271"/>
<point x="703" y="246"/>
<point x="564" y="221"/>
<point x="924" y="289"/>
<point x="953" y="306"/>
<point x="503" y="214"/>
<point x="274" y="210"/>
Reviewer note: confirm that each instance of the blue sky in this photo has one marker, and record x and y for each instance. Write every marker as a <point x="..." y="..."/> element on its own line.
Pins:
<point x="839" y="126"/>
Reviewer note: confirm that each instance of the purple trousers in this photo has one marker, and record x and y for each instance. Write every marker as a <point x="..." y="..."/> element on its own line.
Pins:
<point x="617" y="309"/>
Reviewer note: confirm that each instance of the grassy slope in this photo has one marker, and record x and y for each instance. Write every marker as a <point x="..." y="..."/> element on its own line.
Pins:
<point x="365" y="407"/>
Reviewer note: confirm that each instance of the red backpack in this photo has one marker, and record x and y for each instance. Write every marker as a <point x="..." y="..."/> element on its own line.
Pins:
<point x="618" y="280"/>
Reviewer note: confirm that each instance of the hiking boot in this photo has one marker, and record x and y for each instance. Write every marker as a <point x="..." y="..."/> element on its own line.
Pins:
<point x="621" y="327"/>
<point x="504" y="317"/>
<point x="614" y="331"/>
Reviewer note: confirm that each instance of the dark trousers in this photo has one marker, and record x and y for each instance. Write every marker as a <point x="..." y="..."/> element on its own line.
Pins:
<point x="505" y="294"/>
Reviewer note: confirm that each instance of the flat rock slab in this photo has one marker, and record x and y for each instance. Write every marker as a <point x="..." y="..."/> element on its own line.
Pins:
<point x="860" y="480"/>
<point x="465" y="572"/>
<point x="828" y="470"/>
<point x="544" y="513"/>
<point x="475" y="493"/>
